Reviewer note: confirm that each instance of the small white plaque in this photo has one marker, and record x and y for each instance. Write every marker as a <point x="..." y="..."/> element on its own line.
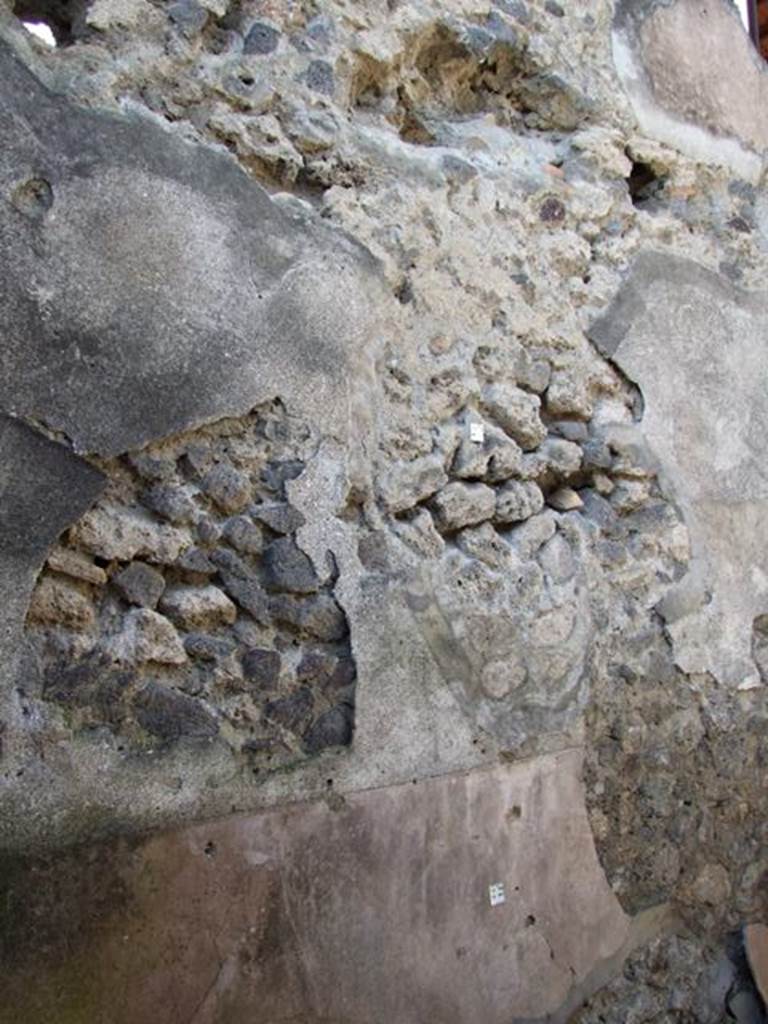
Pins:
<point x="496" y="894"/>
<point x="477" y="432"/>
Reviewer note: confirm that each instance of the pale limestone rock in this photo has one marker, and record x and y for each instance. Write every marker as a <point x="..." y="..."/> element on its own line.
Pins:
<point x="198" y="607"/>
<point x="75" y="564"/>
<point x="518" y="500"/>
<point x="124" y="534"/>
<point x="517" y="412"/>
<point x="145" y="637"/>
<point x="407" y="484"/>
<point x="57" y="602"/>
<point x="460" y="504"/>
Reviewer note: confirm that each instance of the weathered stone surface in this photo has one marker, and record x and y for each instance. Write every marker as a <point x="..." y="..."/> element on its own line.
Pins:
<point x="140" y="584"/>
<point x="149" y="221"/>
<point x="678" y="329"/>
<point x="172" y="504"/>
<point x="198" y="607"/>
<point x="332" y="729"/>
<point x="410" y="483"/>
<point x="228" y="488"/>
<point x="711" y="108"/>
<point x="459" y="505"/>
<point x="145" y="637"/>
<point x="74" y="564"/>
<point x="262" y="667"/>
<point x="157" y="297"/>
<point x="169" y="715"/>
<point x="207" y="648"/>
<point x="518" y="500"/>
<point x="280" y="517"/>
<point x="59" y="602"/>
<point x="517" y="412"/>
<point x="287" y="567"/>
<point x="243" y="535"/>
<point x="125" y="534"/>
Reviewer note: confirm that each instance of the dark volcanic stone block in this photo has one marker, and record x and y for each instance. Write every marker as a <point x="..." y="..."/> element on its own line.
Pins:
<point x="169" y="715"/>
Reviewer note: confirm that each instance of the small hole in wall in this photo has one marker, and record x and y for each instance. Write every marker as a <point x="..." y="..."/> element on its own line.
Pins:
<point x="530" y="921"/>
<point x="210" y="849"/>
<point x="643" y="183"/>
<point x="50" y="21"/>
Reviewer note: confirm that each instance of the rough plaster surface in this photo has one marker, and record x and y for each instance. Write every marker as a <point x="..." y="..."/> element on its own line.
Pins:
<point x="694" y="79"/>
<point x="424" y="210"/>
<point x="696" y="347"/>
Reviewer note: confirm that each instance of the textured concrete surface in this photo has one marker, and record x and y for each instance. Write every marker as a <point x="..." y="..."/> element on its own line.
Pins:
<point x="696" y="346"/>
<point x="694" y="79"/>
<point x="150" y="286"/>
<point x="375" y="908"/>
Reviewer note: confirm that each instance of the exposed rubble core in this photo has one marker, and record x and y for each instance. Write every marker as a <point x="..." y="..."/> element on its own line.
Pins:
<point x="180" y="605"/>
<point x="391" y="374"/>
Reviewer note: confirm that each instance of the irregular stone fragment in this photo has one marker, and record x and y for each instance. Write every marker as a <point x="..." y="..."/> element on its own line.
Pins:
<point x="407" y="484"/>
<point x="517" y="412"/>
<point x="556" y="558"/>
<point x="485" y="544"/>
<point x="497" y="458"/>
<point x="261" y="39"/>
<point x="90" y="683"/>
<point x="243" y="535"/>
<point x="529" y="538"/>
<point x="262" y="667"/>
<point x="287" y="567"/>
<point x="568" y="395"/>
<point x="227" y="487"/>
<point x="565" y="499"/>
<point x="460" y="504"/>
<point x="279" y="516"/>
<point x="146" y="636"/>
<point x="248" y="594"/>
<point x="208" y="530"/>
<point x="712" y="885"/>
<point x="140" y="584"/>
<point x="171" y="503"/>
<point x="188" y="16"/>
<point x="207" y="648"/>
<point x="320" y="616"/>
<point x="198" y="607"/>
<point x="332" y="729"/>
<point x="150" y="467"/>
<point x="170" y="715"/>
<point x="419" y="534"/>
<point x="75" y="564"/>
<point x="518" y="500"/>
<point x="196" y="562"/>
<point x="124" y="534"/>
<point x="292" y="711"/>
<point x="278" y="472"/>
<point x="372" y="550"/>
<point x="56" y="602"/>
<point x="320" y="78"/>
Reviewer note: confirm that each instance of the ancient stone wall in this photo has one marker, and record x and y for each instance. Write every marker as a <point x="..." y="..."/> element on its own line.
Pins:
<point x="381" y="434"/>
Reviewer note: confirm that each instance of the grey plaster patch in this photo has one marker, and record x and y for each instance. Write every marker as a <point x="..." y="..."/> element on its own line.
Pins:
<point x="698" y="349"/>
<point x="43" y="488"/>
<point x="694" y="79"/>
<point x="150" y="285"/>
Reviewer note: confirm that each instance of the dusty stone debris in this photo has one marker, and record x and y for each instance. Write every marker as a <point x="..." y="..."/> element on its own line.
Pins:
<point x="382" y="492"/>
